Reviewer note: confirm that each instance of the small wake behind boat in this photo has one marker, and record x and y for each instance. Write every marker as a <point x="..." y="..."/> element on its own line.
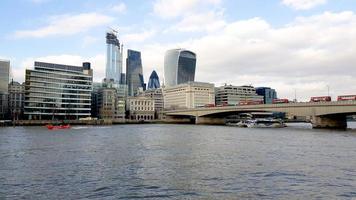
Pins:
<point x="56" y="127"/>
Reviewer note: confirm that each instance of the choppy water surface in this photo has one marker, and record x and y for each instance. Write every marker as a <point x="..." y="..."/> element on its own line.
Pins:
<point x="177" y="162"/>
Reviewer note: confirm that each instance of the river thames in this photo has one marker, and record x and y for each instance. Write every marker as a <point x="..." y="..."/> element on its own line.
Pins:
<point x="156" y="161"/>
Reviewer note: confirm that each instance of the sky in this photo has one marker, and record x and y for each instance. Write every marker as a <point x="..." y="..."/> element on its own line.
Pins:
<point x="301" y="48"/>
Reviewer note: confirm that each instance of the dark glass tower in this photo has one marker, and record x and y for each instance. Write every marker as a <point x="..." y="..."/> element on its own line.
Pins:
<point x="179" y="66"/>
<point x="153" y="83"/>
<point x="134" y="77"/>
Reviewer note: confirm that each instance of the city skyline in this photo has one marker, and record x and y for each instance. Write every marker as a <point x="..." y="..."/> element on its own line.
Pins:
<point x="290" y="45"/>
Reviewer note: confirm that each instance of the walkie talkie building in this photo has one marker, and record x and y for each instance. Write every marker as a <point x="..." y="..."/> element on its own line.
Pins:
<point x="179" y="66"/>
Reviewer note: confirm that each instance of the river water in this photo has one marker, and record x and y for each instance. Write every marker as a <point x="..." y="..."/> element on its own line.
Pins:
<point x="177" y="162"/>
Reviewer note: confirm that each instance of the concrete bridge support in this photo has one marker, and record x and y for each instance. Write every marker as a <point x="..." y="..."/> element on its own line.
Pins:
<point x="332" y="121"/>
<point x="209" y="120"/>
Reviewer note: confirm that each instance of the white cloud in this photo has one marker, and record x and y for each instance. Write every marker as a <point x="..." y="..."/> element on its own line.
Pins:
<point x="138" y="37"/>
<point x="89" y="40"/>
<point x="39" y="1"/>
<point x="175" y="8"/>
<point x="97" y="64"/>
<point x="208" y="21"/>
<point x="66" y="25"/>
<point x="307" y="54"/>
<point x="303" y="4"/>
<point x="119" y="8"/>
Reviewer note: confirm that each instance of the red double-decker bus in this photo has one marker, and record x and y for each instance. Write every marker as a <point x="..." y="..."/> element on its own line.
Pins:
<point x="275" y="101"/>
<point x="319" y="99"/>
<point x="346" y="98"/>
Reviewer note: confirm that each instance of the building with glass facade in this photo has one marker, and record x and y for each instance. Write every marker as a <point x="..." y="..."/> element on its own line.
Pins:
<point x="179" y="66"/>
<point x="233" y="95"/>
<point x="55" y="91"/>
<point x="113" y="57"/>
<point x="134" y="76"/>
<point x="4" y="83"/>
<point x="268" y="94"/>
<point x="153" y="82"/>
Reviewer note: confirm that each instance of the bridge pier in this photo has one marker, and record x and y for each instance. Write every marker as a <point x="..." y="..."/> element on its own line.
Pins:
<point x="332" y="122"/>
<point x="209" y="120"/>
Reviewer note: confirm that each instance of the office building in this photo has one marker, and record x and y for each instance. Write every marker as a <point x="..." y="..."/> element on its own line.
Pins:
<point x="234" y="95"/>
<point x="188" y="95"/>
<point x="134" y="76"/>
<point x="140" y="108"/>
<point x="157" y="96"/>
<point x="113" y="57"/>
<point x="179" y="67"/>
<point x="267" y="93"/>
<point x="16" y="100"/>
<point x="56" y="91"/>
<point x="153" y="82"/>
<point x="4" y="82"/>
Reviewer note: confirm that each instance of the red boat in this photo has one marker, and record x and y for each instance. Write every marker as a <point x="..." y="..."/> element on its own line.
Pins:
<point x="56" y="127"/>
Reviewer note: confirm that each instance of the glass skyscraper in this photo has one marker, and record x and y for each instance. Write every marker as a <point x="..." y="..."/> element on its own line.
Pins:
<point x="113" y="57"/>
<point x="55" y="91"/>
<point x="134" y="77"/>
<point x="4" y="84"/>
<point x="153" y="82"/>
<point x="268" y="94"/>
<point x="179" y="66"/>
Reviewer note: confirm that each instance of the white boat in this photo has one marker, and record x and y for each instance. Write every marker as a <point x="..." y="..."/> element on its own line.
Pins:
<point x="260" y="123"/>
<point x="265" y="123"/>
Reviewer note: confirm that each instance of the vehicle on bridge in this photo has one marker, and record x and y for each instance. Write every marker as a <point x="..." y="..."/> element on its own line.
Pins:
<point x="209" y="105"/>
<point x="250" y="102"/>
<point x="276" y="101"/>
<point x="347" y="98"/>
<point x="320" y="99"/>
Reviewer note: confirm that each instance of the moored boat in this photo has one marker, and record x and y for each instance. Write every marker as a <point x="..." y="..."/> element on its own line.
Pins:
<point x="55" y="127"/>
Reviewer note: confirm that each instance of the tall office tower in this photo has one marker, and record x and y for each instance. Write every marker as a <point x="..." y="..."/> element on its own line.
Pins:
<point x="179" y="66"/>
<point x="153" y="83"/>
<point x="4" y="82"/>
<point x="55" y="91"/>
<point x="134" y="77"/>
<point x="113" y="57"/>
<point x="268" y="94"/>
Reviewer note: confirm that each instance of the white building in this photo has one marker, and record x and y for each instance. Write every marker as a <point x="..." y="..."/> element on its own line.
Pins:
<point x="232" y="95"/>
<point x="188" y="95"/>
<point x="140" y="108"/>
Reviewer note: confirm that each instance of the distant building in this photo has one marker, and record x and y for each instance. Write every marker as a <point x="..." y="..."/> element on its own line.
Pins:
<point x="120" y="95"/>
<point x="140" y="108"/>
<point x="157" y="96"/>
<point x="179" y="67"/>
<point x="95" y="99"/>
<point x="113" y="57"/>
<point x="232" y="95"/>
<point x="188" y="95"/>
<point x="16" y="100"/>
<point x="4" y="82"/>
<point x="267" y="93"/>
<point x="56" y="91"/>
<point x="153" y="82"/>
<point x="134" y="76"/>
